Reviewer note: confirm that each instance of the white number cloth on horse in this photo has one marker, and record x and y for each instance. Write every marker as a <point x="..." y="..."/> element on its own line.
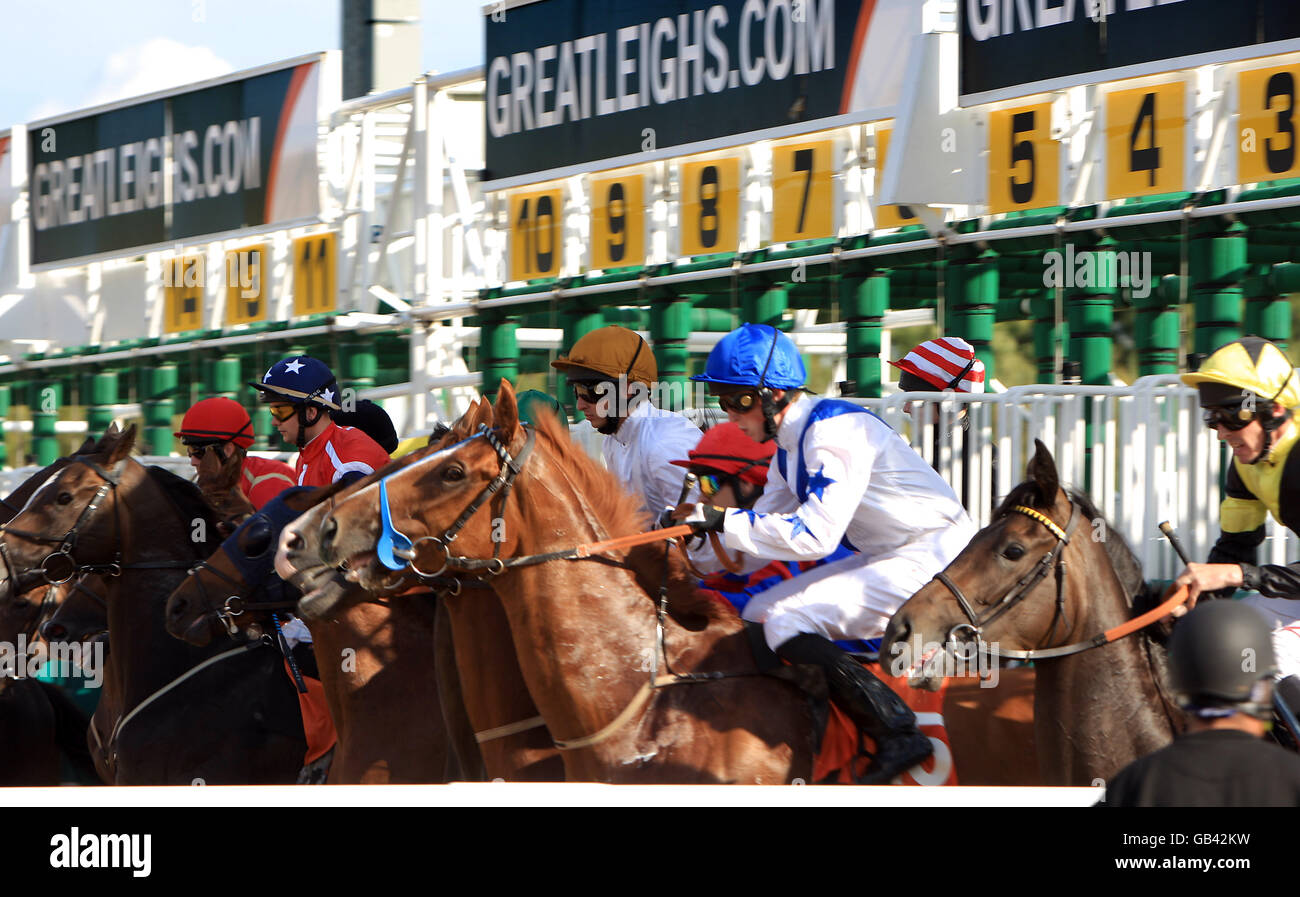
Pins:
<point x="1283" y="615"/>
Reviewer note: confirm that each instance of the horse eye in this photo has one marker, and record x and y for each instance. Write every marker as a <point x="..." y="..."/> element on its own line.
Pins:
<point x="257" y="537"/>
<point x="64" y="498"/>
<point x="454" y="473"/>
<point x="1013" y="552"/>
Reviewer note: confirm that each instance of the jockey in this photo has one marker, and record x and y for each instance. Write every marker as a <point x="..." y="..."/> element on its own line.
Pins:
<point x="223" y="426"/>
<point x="940" y="365"/>
<point x="732" y="470"/>
<point x="612" y="371"/>
<point x="1248" y="389"/>
<point x="302" y="393"/>
<point x="840" y="476"/>
<point x="1222" y="760"/>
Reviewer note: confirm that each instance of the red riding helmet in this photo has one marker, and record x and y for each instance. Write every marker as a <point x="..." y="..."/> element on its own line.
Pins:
<point x="726" y="449"/>
<point x="217" y="420"/>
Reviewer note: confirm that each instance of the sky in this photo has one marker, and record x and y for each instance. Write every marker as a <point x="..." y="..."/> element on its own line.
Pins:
<point x="70" y="54"/>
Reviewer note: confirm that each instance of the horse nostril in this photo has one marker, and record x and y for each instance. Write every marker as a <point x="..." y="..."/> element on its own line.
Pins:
<point x="294" y="542"/>
<point x="178" y="607"/>
<point x="54" y="632"/>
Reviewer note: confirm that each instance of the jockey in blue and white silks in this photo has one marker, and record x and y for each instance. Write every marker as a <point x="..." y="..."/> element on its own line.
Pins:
<point x="840" y="476"/>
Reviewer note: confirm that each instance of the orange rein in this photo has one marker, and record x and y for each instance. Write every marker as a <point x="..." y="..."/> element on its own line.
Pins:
<point x="1177" y="598"/>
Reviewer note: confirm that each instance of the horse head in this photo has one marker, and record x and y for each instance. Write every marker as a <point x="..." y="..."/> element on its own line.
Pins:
<point x="226" y="593"/>
<point x="345" y="536"/>
<point x="81" y="613"/>
<point x="1008" y="587"/>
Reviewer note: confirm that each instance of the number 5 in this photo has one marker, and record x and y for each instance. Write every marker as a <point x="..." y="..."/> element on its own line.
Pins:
<point x="1022" y="151"/>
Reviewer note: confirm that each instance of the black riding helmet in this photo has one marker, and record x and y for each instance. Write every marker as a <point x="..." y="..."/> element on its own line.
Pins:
<point x="1221" y="660"/>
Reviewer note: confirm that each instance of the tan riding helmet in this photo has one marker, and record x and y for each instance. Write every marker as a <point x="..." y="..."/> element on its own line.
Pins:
<point x="610" y="352"/>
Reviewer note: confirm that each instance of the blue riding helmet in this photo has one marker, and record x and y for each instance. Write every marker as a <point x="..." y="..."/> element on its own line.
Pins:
<point x="747" y="357"/>
<point x="300" y="380"/>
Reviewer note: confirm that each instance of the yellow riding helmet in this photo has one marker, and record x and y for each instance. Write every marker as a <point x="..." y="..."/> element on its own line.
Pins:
<point x="1250" y="364"/>
<point x="610" y="351"/>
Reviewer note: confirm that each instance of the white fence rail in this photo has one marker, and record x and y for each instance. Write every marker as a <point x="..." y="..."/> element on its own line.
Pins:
<point x="1147" y="458"/>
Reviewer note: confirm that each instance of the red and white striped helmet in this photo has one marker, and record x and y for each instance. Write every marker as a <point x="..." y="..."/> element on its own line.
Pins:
<point x="948" y="362"/>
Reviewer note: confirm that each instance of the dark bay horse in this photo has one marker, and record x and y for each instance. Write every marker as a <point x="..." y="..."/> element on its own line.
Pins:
<point x="584" y="632"/>
<point x="178" y="719"/>
<point x="385" y="707"/>
<point x="1025" y="588"/>
<point x="395" y="731"/>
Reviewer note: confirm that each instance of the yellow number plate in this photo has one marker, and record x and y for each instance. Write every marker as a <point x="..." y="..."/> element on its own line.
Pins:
<point x="183" y="286"/>
<point x="245" y="279"/>
<point x="888" y="216"/>
<point x="536" y="231"/>
<point x="710" y="206"/>
<point x="1145" y="132"/>
<point x="1266" y="144"/>
<point x="1024" y="160"/>
<point x="618" y="221"/>
<point x="802" y="191"/>
<point x="314" y="279"/>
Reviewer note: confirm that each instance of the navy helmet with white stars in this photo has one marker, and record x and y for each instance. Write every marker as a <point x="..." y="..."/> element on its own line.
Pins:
<point x="300" y="380"/>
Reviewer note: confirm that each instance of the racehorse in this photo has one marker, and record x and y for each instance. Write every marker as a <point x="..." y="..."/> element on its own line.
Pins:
<point x="141" y="529"/>
<point x="1100" y="701"/>
<point x="242" y="567"/>
<point x="621" y="706"/>
<point x="585" y="636"/>
<point x="384" y="705"/>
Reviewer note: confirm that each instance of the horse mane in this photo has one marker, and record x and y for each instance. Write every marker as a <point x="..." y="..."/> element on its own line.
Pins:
<point x="1128" y="570"/>
<point x="622" y="515"/>
<point x="189" y="504"/>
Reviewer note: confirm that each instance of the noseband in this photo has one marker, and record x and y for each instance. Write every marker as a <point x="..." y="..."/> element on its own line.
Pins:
<point x="1052" y="560"/>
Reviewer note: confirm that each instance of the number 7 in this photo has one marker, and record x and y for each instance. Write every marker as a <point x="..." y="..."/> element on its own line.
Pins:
<point x="803" y="161"/>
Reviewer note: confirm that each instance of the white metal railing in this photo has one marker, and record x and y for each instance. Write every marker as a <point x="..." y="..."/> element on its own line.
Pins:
<point x="1150" y="459"/>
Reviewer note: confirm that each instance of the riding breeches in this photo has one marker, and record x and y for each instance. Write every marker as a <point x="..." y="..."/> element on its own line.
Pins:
<point x="852" y="598"/>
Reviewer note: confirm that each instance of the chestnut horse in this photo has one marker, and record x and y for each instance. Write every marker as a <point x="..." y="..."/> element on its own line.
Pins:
<point x="584" y="632"/>
<point x="1096" y="708"/>
<point x="104" y="513"/>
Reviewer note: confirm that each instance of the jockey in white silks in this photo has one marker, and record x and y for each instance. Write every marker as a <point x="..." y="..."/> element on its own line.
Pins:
<point x="840" y="475"/>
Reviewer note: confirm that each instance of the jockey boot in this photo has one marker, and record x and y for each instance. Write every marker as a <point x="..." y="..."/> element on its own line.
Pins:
<point x="873" y="706"/>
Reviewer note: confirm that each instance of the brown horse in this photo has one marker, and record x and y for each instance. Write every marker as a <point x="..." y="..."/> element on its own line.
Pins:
<point x="1096" y="708"/>
<point x="106" y="514"/>
<point x="584" y="632"/>
<point x="381" y="692"/>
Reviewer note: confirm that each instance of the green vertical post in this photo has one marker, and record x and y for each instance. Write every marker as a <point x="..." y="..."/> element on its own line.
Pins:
<point x="765" y="306"/>
<point x="577" y="319"/>
<point x="1156" y="328"/>
<point x="47" y="396"/>
<point x="1217" y="265"/>
<point x="866" y="301"/>
<point x="971" y="300"/>
<point x="360" y="366"/>
<point x="1268" y="311"/>
<point x="103" y="396"/>
<point x="161" y="384"/>
<point x="670" y="327"/>
<point x="1090" y="311"/>
<point x="498" y="352"/>
<point x="1046" y="334"/>
<point x="225" y="377"/>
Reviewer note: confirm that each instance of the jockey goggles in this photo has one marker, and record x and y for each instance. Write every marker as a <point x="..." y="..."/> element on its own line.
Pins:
<point x="1228" y="417"/>
<point x="738" y="402"/>
<point x="283" y="412"/>
<point x="199" y="449"/>
<point x="587" y="394"/>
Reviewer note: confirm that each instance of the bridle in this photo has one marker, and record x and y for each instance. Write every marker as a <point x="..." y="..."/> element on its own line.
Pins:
<point x="1053" y="560"/>
<point x="68" y="541"/>
<point x="235" y="603"/>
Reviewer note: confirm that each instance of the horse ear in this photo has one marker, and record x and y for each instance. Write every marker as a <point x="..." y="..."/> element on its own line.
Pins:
<point x="121" y="446"/>
<point x="86" y="447"/>
<point x="1042" y="470"/>
<point x="506" y="413"/>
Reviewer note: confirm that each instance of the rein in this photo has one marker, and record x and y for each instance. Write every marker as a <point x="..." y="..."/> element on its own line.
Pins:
<point x="397" y="551"/>
<point x="1053" y="559"/>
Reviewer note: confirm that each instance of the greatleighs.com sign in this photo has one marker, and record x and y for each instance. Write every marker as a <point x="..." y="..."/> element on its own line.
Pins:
<point x="576" y="81"/>
<point x="235" y="153"/>
<point x="1012" y="48"/>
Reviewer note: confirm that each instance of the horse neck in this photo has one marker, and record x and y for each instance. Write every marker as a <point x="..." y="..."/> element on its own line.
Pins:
<point x="1100" y="709"/>
<point x="584" y="632"/>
